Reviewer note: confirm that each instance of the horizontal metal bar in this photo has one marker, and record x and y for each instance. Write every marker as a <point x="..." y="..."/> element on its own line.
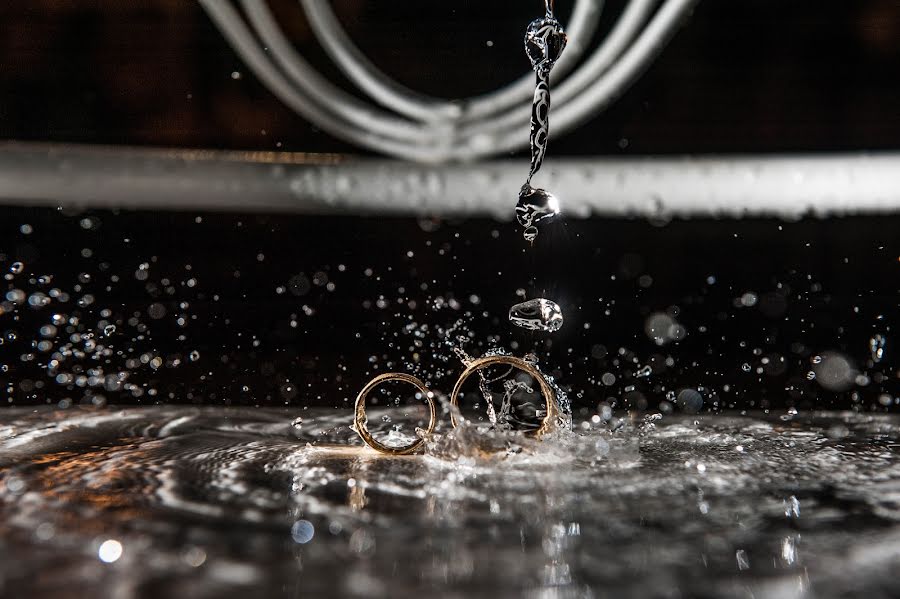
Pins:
<point x="202" y="180"/>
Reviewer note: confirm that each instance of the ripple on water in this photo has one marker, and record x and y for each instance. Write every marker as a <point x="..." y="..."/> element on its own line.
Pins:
<point x="208" y="501"/>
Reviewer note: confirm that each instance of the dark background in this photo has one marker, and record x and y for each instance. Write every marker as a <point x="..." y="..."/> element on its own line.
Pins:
<point x="268" y="330"/>
<point x="742" y="76"/>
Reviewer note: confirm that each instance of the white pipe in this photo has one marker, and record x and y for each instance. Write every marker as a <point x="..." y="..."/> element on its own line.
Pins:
<point x="785" y="186"/>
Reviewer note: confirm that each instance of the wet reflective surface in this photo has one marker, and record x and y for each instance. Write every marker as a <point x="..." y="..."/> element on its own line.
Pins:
<point x="215" y="502"/>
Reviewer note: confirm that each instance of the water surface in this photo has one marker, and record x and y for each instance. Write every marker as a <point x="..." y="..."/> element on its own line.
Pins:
<point x="213" y="502"/>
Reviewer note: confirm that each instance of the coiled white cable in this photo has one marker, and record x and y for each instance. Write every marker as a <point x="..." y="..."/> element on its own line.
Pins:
<point x="432" y="130"/>
<point x="385" y="91"/>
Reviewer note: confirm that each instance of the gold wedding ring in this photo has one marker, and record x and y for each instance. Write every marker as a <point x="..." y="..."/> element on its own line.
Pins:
<point x="361" y="421"/>
<point x="519" y="364"/>
<point x="472" y="367"/>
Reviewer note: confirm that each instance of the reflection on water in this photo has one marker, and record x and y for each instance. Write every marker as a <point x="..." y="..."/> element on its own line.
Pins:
<point x="171" y="501"/>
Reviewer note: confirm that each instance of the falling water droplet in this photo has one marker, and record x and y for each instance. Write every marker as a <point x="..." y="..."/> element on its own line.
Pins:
<point x="545" y="41"/>
<point x="792" y="507"/>
<point x="537" y="315"/>
<point x="535" y="205"/>
<point x="16" y="268"/>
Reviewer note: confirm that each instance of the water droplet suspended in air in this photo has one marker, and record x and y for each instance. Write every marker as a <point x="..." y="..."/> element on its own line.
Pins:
<point x="17" y="296"/>
<point x="156" y="311"/>
<point x="743" y="562"/>
<point x="545" y="41"/>
<point x="534" y="206"/>
<point x="38" y="300"/>
<point x="834" y="371"/>
<point x="537" y="315"/>
<point x="876" y="347"/>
